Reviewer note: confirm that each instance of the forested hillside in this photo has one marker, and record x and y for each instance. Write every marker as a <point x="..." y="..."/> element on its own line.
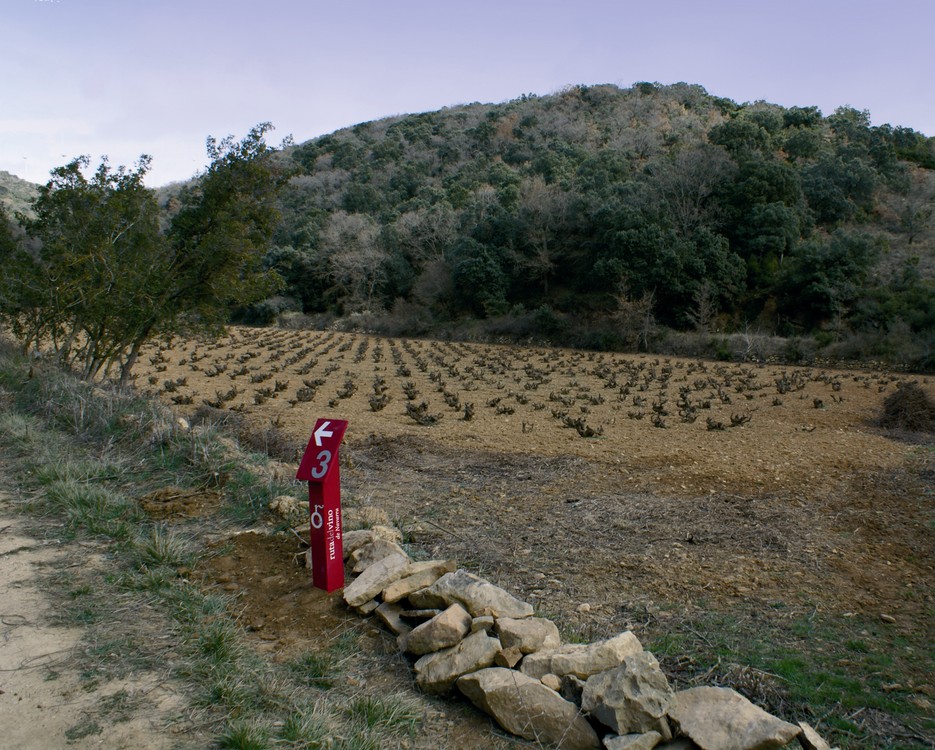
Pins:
<point x="654" y="218"/>
<point x="606" y="217"/>
<point x="16" y="194"/>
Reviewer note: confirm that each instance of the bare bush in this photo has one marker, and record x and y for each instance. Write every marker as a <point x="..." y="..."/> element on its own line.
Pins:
<point x="910" y="408"/>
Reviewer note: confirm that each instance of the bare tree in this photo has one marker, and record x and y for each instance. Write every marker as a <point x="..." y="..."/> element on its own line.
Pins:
<point x="636" y="317"/>
<point x="914" y="207"/>
<point x="434" y="284"/>
<point x="685" y="183"/>
<point x="705" y="300"/>
<point x="426" y="233"/>
<point x="356" y="257"/>
<point x="544" y="210"/>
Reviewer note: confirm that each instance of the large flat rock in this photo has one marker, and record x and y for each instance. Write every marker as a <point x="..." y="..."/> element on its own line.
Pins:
<point x="421" y="575"/>
<point x="444" y="630"/>
<point x="525" y="707"/>
<point x="596" y="657"/>
<point x="479" y="597"/>
<point x="722" y="719"/>
<point x="375" y="578"/>
<point x="437" y="672"/>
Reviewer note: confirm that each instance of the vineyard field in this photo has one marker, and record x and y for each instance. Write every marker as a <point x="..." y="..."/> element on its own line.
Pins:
<point x="690" y="478"/>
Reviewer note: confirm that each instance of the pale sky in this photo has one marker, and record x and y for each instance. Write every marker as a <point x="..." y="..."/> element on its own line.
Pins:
<point x="126" y="77"/>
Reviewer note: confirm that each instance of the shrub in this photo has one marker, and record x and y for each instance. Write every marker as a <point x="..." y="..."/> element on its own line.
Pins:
<point x="909" y="408"/>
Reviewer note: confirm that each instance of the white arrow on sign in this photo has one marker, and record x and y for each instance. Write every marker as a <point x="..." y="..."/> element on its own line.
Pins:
<point x="322" y="432"/>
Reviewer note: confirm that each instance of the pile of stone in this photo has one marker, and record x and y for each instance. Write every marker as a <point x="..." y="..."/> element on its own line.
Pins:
<point x="469" y="635"/>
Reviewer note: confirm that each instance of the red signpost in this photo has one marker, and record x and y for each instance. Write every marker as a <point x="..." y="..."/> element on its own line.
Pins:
<point x="319" y="467"/>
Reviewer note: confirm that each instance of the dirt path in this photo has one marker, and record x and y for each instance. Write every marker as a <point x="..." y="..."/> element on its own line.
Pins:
<point x="44" y="702"/>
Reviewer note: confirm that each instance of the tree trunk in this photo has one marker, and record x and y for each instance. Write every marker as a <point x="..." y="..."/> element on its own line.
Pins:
<point x="128" y="363"/>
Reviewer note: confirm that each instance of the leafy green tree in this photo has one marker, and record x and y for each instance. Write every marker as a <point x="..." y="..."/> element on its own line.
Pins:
<point x="838" y="187"/>
<point x="479" y="279"/>
<point x="906" y="298"/>
<point x="770" y="232"/>
<point x="219" y="238"/>
<point x="18" y="290"/>
<point x="741" y="136"/>
<point x="910" y="145"/>
<point x="648" y="258"/>
<point x="106" y="277"/>
<point x="825" y="277"/>
<point x="801" y="117"/>
<point x="305" y="273"/>
<point x="100" y="258"/>
<point x="802" y="132"/>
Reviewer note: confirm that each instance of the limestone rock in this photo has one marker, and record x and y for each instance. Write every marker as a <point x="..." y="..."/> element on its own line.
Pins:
<point x="553" y="682"/>
<point x="630" y="698"/>
<point x="291" y="510"/>
<point x="810" y="739"/>
<point x="385" y="531"/>
<point x="419" y="614"/>
<point x="646" y="741"/>
<point x="367" y="554"/>
<point x="353" y="540"/>
<point x="571" y="688"/>
<point x="540" y="663"/>
<point x="421" y="574"/>
<point x="390" y="614"/>
<point x="437" y="672"/>
<point x="722" y="719"/>
<point x="525" y="707"/>
<point x="478" y="596"/>
<point x="596" y="657"/>
<point x="375" y="578"/>
<point x="484" y="622"/>
<point x="444" y="630"/>
<point x="367" y="607"/>
<point x="528" y="634"/>
<point x="508" y="657"/>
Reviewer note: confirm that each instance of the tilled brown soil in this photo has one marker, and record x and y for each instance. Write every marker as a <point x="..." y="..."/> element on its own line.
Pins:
<point x="708" y="487"/>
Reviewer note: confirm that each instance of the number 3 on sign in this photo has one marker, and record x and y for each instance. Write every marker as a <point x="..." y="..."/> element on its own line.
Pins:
<point x="324" y="458"/>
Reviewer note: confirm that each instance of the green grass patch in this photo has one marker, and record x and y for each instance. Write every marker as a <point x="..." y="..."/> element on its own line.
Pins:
<point x="305" y="729"/>
<point x="815" y="667"/>
<point x="162" y="547"/>
<point x="87" y="727"/>
<point x="392" y="714"/>
<point x="81" y="454"/>
<point x="315" y="670"/>
<point x="93" y="508"/>
<point x="244" y="736"/>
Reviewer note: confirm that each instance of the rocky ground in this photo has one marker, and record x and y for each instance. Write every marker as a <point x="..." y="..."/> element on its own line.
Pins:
<point x="761" y="496"/>
<point x="721" y="512"/>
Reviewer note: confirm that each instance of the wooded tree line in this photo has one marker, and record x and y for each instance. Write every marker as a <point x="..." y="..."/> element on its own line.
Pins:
<point x="97" y="267"/>
<point x="596" y="217"/>
<point x="585" y="206"/>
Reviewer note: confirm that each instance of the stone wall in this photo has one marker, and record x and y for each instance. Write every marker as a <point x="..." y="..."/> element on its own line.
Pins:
<point x="469" y="636"/>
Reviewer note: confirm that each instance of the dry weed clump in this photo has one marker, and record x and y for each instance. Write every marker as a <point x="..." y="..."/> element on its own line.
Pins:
<point x="909" y="408"/>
